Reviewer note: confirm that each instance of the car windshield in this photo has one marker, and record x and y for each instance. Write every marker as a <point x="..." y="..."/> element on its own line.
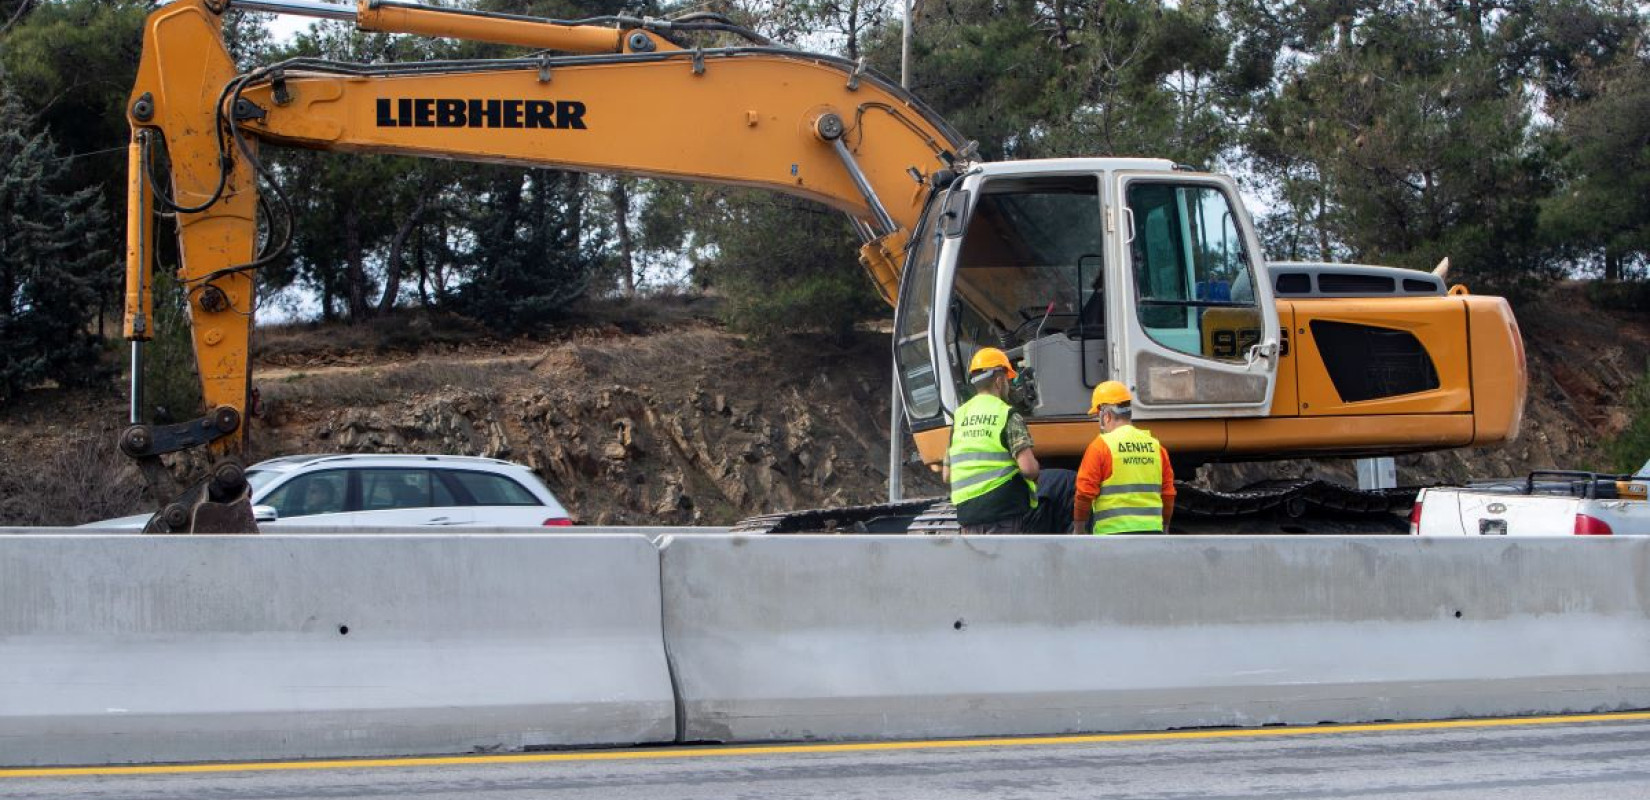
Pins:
<point x="259" y="478"/>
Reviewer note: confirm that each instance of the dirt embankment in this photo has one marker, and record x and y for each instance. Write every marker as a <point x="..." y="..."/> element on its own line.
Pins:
<point x="688" y="424"/>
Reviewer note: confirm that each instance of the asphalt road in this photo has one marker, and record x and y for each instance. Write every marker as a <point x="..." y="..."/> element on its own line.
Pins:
<point x="1605" y="758"/>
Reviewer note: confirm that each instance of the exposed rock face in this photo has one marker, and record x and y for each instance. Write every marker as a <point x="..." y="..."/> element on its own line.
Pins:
<point x="695" y="428"/>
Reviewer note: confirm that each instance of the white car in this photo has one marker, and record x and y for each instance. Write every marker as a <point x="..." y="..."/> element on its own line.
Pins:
<point x="390" y="491"/>
<point x="1543" y="504"/>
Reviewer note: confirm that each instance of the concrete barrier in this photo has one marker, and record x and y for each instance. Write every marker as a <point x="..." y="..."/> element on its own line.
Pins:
<point x="122" y="649"/>
<point x="653" y="532"/>
<point x="812" y="637"/>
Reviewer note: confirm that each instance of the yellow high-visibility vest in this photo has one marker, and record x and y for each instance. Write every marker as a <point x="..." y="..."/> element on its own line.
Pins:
<point x="1131" y="500"/>
<point x="979" y="461"/>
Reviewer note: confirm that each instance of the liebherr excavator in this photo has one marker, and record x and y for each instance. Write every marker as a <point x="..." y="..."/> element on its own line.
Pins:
<point x="1083" y="269"/>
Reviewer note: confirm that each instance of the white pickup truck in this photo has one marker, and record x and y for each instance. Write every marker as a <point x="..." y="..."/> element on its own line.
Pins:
<point x="1545" y="503"/>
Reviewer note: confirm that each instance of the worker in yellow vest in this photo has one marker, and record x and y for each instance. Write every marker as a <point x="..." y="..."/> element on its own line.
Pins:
<point x="1125" y="483"/>
<point x="990" y="466"/>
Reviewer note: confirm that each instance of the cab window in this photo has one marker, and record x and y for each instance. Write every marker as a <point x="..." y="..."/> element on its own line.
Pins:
<point x="1028" y="279"/>
<point x="916" y="306"/>
<point x="1193" y="277"/>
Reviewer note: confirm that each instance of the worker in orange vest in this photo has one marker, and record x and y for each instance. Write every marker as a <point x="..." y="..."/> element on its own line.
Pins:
<point x="1125" y="483"/>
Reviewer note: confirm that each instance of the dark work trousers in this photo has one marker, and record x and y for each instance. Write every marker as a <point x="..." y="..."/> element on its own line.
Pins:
<point x="1056" y="492"/>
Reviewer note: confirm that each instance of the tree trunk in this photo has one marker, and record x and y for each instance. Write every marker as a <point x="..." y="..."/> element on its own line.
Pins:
<point x="355" y="274"/>
<point x="438" y="270"/>
<point x="326" y="299"/>
<point x="1323" y="226"/>
<point x="423" y="270"/>
<point x="621" y="210"/>
<point x="1612" y="264"/>
<point x="16" y="15"/>
<point x="392" y="266"/>
<point x="575" y="208"/>
<point x="853" y="30"/>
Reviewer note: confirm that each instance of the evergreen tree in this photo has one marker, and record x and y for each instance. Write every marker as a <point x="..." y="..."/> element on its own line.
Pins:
<point x="530" y="259"/>
<point x="354" y="214"/>
<point x="1403" y="134"/>
<point x="784" y="264"/>
<point x="1600" y="216"/>
<point x="50" y="259"/>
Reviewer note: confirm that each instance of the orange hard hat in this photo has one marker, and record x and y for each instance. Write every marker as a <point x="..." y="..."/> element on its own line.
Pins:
<point x="991" y="358"/>
<point x="1110" y="393"/>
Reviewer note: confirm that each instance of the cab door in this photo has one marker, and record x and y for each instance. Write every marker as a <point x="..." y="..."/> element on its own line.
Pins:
<point x="1195" y="329"/>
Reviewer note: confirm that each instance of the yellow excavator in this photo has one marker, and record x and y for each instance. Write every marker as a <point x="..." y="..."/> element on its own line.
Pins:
<point x="1083" y="269"/>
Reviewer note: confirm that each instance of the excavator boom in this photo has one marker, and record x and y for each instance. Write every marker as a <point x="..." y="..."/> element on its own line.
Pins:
<point x="627" y="101"/>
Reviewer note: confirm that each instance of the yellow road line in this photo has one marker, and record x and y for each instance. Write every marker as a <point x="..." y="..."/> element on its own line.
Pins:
<point x="853" y="747"/>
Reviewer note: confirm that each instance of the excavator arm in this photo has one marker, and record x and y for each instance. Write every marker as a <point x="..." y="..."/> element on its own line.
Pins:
<point x="627" y="98"/>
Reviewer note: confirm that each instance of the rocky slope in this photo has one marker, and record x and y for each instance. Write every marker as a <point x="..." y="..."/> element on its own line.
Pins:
<point x="691" y="426"/>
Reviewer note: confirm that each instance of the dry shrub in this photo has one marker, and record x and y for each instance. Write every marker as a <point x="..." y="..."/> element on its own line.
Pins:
<point x="398" y="332"/>
<point x="375" y="386"/>
<point x="1619" y="295"/>
<point x="84" y="480"/>
<point x="642" y="358"/>
<point x="665" y="309"/>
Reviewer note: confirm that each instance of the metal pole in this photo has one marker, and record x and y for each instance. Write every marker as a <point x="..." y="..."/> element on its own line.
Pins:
<point x="1377" y="473"/>
<point x="905" y="47"/>
<point x="896" y="435"/>
<point x="137" y="383"/>
<point x="896" y="401"/>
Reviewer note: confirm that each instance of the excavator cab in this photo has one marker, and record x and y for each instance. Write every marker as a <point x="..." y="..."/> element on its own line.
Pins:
<point x="1087" y="270"/>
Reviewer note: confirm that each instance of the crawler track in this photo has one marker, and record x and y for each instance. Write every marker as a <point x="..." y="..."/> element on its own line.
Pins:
<point x="1267" y="507"/>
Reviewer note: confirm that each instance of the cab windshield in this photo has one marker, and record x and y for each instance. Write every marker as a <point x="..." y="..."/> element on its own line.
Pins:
<point x="1028" y="280"/>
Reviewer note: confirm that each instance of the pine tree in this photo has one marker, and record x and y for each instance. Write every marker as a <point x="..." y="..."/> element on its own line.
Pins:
<point x="1599" y="216"/>
<point x="49" y="259"/>
<point x="531" y="260"/>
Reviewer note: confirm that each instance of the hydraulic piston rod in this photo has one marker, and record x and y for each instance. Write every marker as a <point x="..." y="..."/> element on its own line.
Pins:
<point x="302" y="8"/>
<point x="391" y="16"/>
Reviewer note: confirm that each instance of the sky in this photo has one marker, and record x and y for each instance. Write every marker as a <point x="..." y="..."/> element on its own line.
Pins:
<point x="285" y="26"/>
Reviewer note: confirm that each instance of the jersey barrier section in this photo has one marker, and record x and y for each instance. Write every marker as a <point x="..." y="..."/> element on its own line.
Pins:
<point x="133" y="649"/>
<point x="842" y="637"/>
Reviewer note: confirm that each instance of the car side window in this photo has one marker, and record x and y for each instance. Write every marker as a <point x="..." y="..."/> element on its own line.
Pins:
<point x="383" y="489"/>
<point x="487" y="489"/>
<point x="441" y="492"/>
<point x="315" y="493"/>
